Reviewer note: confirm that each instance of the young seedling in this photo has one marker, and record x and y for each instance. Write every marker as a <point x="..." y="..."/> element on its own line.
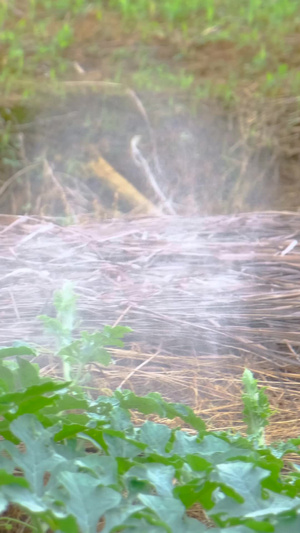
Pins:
<point x="257" y="411"/>
<point x="89" y="348"/>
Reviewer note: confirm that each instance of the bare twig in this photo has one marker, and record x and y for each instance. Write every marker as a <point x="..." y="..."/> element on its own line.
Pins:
<point x="142" y="162"/>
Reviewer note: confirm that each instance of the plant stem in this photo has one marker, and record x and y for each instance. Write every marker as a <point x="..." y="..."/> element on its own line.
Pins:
<point x="16" y="521"/>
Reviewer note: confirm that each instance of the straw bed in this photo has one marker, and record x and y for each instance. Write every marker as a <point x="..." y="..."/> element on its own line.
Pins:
<point x="205" y="298"/>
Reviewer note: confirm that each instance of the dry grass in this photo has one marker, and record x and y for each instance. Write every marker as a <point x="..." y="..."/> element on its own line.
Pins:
<point x="205" y="298"/>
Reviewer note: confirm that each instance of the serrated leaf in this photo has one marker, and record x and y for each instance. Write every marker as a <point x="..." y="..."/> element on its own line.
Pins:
<point x="56" y="328"/>
<point x="156" y="436"/>
<point x="65" y="304"/>
<point x="160" y="476"/>
<point x="86" y="500"/>
<point x="245" y="479"/>
<point x="114" y="334"/>
<point x="154" y="404"/>
<point x="257" y="410"/>
<point x="213" y="449"/>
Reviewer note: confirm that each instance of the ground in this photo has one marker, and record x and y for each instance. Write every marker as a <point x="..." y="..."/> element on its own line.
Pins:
<point x="212" y="96"/>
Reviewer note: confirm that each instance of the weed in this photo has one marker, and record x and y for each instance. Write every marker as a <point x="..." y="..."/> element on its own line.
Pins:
<point x="90" y="348"/>
<point x="35" y="37"/>
<point x="256" y="408"/>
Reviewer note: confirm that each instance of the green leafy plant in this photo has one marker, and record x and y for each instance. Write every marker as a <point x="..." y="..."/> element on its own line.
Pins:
<point x="89" y="348"/>
<point x="257" y="410"/>
<point x="76" y="464"/>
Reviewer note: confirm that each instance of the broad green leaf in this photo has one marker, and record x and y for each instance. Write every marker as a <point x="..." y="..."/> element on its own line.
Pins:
<point x="160" y="476"/>
<point x="187" y="414"/>
<point x="77" y="418"/>
<point x="113" y="335"/>
<point x="61" y="525"/>
<point x="39" y="458"/>
<point x="198" y="464"/>
<point x="141" y="525"/>
<point x="94" y="436"/>
<point x="121" y="447"/>
<point x="245" y="479"/>
<point x="120" y="419"/>
<point x="156" y="436"/>
<point x="68" y="402"/>
<point x="68" y="431"/>
<point x="191" y="525"/>
<point x="28" y="374"/>
<point x="287" y="524"/>
<point x="201" y="491"/>
<point x="90" y="348"/>
<point x="104" y="468"/>
<point x="274" y="505"/>
<point x="6" y="433"/>
<point x="117" y="517"/>
<point x="280" y="449"/>
<point x="7" y="464"/>
<point x="153" y="403"/>
<point x="32" y="392"/>
<point x="7" y="380"/>
<point x="3" y="504"/>
<point x="23" y="497"/>
<point x="29" y="406"/>
<point x="55" y="327"/>
<point x="9" y="479"/>
<point x="185" y="444"/>
<point x="13" y="351"/>
<point x="234" y="529"/>
<point x="169" y="510"/>
<point x="211" y="448"/>
<point x="86" y="500"/>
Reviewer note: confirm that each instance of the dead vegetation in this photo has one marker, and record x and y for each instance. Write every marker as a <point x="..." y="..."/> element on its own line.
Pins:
<point x="205" y="297"/>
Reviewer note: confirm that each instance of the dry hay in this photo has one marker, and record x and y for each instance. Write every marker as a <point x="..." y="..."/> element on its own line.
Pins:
<point x="205" y="298"/>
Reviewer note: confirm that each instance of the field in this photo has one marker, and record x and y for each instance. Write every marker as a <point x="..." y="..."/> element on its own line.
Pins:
<point x="236" y="60"/>
<point x="149" y="266"/>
